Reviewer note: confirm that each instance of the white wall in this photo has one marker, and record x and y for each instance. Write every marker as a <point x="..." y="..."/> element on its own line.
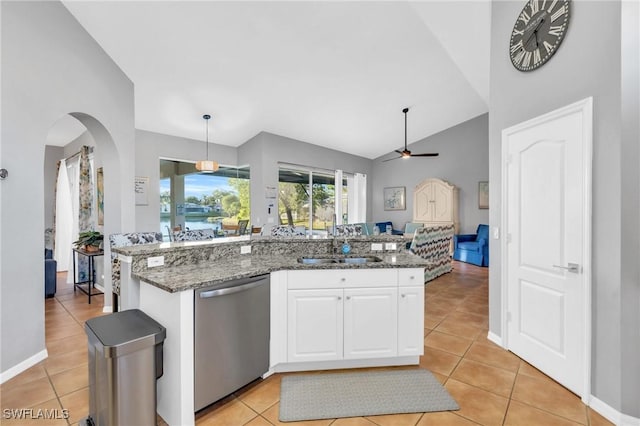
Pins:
<point x="265" y="150"/>
<point x="463" y="162"/>
<point x="150" y="147"/>
<point x="51" y="67"/>
<point x="588" y="63"/>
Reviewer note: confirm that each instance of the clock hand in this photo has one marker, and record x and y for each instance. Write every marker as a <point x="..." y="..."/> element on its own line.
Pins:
<point x="534" y="33"/>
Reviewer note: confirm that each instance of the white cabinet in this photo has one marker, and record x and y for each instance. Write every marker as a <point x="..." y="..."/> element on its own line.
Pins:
<point x="370" y="322"/>
<point x="368" y="314"/>
<point x="435" y="202"/>
<point x="314" y="326"/>
<point x="411" y="320"/>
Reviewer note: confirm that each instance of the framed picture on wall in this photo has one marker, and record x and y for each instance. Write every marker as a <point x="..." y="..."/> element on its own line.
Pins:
<point x="483" y="195"/>
<point x="394" y="198"/>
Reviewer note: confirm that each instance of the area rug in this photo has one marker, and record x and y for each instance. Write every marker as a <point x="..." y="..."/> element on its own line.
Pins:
<point x="367" y="393"/>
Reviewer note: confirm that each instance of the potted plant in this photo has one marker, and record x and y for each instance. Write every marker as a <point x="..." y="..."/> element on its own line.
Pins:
<point x="89" y="241"/>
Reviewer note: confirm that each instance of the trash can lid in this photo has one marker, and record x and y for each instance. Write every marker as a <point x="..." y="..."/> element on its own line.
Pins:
<point x="122" y="327"/>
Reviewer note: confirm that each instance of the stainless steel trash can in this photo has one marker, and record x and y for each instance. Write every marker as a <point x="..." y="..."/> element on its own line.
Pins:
<point x="125" y="359"/>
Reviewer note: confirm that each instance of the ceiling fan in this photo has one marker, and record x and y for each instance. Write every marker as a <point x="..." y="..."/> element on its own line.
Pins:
<point x="405" y="153"/>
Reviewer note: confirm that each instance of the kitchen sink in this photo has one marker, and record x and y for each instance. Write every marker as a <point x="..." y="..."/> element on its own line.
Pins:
<point x="329" y="260"/>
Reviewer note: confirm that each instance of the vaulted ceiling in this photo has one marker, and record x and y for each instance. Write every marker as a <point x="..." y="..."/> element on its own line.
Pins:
<point x="335" y="74"/>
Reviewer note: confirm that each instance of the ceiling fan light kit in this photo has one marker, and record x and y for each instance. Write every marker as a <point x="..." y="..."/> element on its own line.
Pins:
<point x="405" y="153"/>
<point x="207" y="166"/>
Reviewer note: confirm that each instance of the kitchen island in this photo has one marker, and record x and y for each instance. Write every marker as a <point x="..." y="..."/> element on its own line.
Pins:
<point x="323" y="316"/>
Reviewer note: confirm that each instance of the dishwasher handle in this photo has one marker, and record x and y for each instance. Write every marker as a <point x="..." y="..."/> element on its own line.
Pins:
<point x="231" y="290"/>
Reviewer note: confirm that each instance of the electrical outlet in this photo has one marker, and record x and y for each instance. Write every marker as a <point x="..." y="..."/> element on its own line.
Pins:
<point x="245" y="249"/>
<point x="152" y="262"/>
<point x="376" y="246"/>
<point x="390" y="246"/>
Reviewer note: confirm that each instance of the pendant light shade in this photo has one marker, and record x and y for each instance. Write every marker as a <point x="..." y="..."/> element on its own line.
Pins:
<point x="207" y="166"/>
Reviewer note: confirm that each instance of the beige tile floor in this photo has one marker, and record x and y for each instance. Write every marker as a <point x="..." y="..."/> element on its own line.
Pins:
<point x="492" y="386"/>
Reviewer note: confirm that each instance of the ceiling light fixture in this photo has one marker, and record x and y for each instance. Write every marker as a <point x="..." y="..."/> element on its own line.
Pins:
<point x="207" y="166"/>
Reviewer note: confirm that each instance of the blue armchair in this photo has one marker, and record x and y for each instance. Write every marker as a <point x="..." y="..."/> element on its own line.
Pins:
<point x="472" y="248"/>
<point x="50" y="269"/>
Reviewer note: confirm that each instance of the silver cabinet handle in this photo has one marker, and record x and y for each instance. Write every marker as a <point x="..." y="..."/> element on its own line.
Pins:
<point x="404" y="295"/>
<point x="412" y="277"/>
<point x="571" y="267"/>
<point x="343" y="279"/>
<point x="339" y="298"/>
<point x="348" y="297"/>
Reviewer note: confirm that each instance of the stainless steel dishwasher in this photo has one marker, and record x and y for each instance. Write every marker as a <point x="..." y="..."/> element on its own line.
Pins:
<point x="231" y="337"/>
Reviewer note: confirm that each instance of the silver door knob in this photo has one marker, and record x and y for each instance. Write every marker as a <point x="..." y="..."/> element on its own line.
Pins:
<point x="571" y="267"/>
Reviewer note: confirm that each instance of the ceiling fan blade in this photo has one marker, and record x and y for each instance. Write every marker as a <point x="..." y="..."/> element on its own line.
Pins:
<point x="389" y="159"/>
<point x="430" y="154"/>
<point x="398" y="151"/>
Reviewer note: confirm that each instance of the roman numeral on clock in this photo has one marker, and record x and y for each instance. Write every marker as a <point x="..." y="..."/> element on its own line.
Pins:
<point x="533" y="4"/>
<point x="518" y="58"/>
<point x="518" y="32"/>
<point x="558" y="13"/>
<point x="526" y="60"/>
<point x="516" y="47"/>
<point x="548" y="46"/>
<point x="555" y="30"/>
<point x="524" y="17"/>
<point x="536" y="56"/>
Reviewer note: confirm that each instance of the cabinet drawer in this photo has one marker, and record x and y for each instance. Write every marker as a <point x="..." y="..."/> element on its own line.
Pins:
<point x="410" y="276"/>
<point x="342" y="278"/>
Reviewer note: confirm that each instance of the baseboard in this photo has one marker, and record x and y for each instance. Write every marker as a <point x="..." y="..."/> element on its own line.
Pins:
<point x="24" y="365"/>
<point x="611" y="414"/>
<point x="491" y="336"/>
<point x="107" y="309"/>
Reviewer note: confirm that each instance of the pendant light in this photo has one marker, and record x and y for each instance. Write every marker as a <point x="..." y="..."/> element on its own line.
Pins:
<point x="207" y="166"/>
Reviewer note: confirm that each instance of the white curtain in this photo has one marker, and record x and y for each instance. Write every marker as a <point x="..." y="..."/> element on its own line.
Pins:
<point x="338" y="197"/>
<point x="64" y="219"/>
<point x="73" y="174"/>
<point x="357" y="196"/>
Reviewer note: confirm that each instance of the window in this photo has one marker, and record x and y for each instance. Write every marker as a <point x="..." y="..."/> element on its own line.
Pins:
<point x="307" y="197"/>
<point x="194" y="200"/>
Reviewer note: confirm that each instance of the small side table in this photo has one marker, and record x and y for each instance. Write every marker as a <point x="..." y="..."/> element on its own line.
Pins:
<point x="90" y="282"/>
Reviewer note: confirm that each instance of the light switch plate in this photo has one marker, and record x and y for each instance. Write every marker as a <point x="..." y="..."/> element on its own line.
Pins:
<point x="376" y="246"/>
<point x="152" y="262"/>
<point x="245" y="249"/>
<point x="390" y="246"/>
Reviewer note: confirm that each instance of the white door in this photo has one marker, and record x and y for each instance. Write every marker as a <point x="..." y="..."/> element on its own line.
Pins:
<point x="548" y="162"/>
<point x="411" y="320"/>
<point x="370" y="323"/>
<point x="315" y="330"/>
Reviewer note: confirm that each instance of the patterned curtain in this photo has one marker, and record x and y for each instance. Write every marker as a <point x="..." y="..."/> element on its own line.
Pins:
<point x="85" y="222"/>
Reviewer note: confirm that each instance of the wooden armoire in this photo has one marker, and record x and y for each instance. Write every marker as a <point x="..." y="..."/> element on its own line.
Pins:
<point x="435" y="202"/>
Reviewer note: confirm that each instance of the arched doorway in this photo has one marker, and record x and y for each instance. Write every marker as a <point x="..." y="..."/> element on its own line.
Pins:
<point x="65" y="139"/>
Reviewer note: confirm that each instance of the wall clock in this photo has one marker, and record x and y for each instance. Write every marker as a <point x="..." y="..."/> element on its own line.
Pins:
<point x="538" y="32"/>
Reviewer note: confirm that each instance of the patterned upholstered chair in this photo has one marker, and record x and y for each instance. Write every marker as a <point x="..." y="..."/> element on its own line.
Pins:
<point x="433" y="243"/>
<point x="288" y="231"/>
<point x="194" y="235"/>
<point x="349" y="230"/>
<point x="124" y="240"/>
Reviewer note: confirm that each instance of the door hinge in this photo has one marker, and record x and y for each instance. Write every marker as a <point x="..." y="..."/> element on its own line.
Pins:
<point x="508" y="316"/>
<point x="509" y="238"/>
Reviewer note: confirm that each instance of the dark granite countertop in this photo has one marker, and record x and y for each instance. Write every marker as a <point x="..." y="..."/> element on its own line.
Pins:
<point x="211" y="273"/>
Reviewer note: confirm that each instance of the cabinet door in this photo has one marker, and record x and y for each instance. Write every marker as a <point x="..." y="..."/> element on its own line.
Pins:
<point x="442" y="203"/>
<point x="370" y="322"/>
<point x="411" y="321"/>
<point x="315" y="327"/>
<point x="423" y="207"/>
